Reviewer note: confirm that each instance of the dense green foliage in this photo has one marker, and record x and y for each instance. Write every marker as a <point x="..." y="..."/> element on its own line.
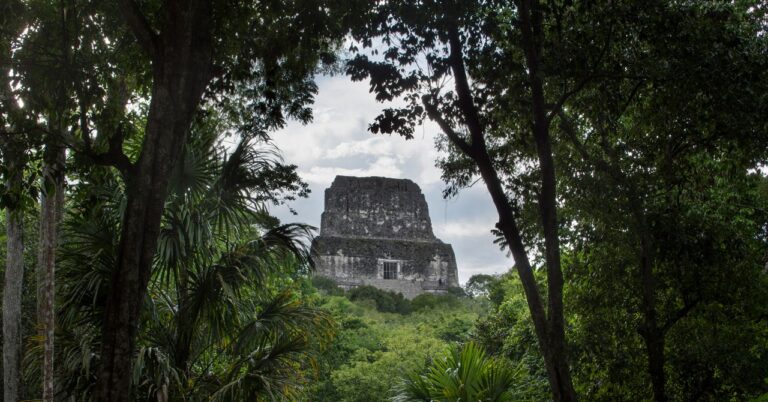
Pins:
<point x="507" y="331"/>
<point x="386" y="302"/>
<point x="123" y="85"/>
<point x="373" y="349"/>
<point x="729" y="351"/>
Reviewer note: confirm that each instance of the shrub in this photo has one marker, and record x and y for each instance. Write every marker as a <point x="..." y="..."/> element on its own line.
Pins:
<point x="327" y="286"/>
<point x="457" y="291"/>
<point x="431" y="301"/>
<point x="386" y="301"/>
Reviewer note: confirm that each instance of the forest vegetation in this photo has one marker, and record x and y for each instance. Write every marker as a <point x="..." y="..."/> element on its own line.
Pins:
<point x="624" y="146"/>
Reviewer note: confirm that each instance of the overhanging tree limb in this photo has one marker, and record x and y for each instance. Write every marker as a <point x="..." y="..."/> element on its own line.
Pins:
<point x="680" y="314"/>
<point x="112" y="120"/>
<point x="114" y="155"/>
<point x="466" y="103"/>
<point x="455" y="138"/>
<point x="145" y="35"/>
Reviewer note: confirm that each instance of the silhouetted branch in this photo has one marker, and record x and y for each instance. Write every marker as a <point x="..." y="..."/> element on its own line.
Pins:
<point x="680" y="314"/>
<point x="140" y="27"/>
<point x="455" y="138"/>
<point x="466" y="103"/>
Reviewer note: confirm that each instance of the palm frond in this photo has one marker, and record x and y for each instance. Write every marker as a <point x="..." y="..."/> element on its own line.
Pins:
<point x="284" y="314"/>
<point x="271" y="368"/>
<point x="289" y="241"/>
<point x="464" y="374"/>
<point x="413" y="388"/>
<point x="154" y="373"/>
<point x="87" y="260"/>
<point x="77" y="352"/>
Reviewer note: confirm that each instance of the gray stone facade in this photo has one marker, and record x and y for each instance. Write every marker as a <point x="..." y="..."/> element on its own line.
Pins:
<point x="376" y="231"/>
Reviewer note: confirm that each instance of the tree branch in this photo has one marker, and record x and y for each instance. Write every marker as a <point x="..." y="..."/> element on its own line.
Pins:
<point x="566" y="124"/>
<point x="466" y="103"/>
<point x="455" y="138"/>
<point x="117" y="98"/>
<point x="140" y="27"/>
<point x="679" y="314"/>
<point x="600" y="163"/>
<point x="558" y="106"/>
<point x="114" y="155"/>
<point x="578" y="87"/>
<point x="8" y="102"/>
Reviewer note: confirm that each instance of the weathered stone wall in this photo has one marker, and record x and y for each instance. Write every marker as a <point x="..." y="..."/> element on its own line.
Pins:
<point x="375" y="207"/>
<point x="371" y="221"/>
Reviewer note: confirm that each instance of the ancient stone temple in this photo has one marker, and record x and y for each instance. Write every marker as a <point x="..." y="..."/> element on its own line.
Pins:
<point x="376" y="231"/>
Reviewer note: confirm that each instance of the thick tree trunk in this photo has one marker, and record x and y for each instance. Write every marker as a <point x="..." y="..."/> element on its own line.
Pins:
<point x="12" y="288"/>
<point x="562" y="386"/>
<point x="183" y="346"/>
<point x="532" y="38"/>
<point x="51" y="209"/>
<point x="182" y="69"/>
<point x="651" y="330"/>
<point x="147" y="189"/>
<point x="128" y="285"/>
<point x="654" y="344"/>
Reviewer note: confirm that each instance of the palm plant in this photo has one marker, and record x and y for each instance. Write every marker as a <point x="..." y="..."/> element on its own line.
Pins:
<point x="220" y="321"/>
<point x="465" y="374"/>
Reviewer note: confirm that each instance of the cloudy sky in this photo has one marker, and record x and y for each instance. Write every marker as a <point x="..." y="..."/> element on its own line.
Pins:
<point x="338" y="143"/>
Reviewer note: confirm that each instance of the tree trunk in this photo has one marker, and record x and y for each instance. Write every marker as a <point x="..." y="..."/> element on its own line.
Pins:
<point x="549" y="326"/>
<point x="147" y="189"/>
<point x="654" y="344"/>
<point x="551" y="343"/>
<point x="182" y="69"/>
<point x="51" y="209"/>
<point x="185" y="323"/>
<point x="532" y="39"/>
<point x="650" y="330"/>
<point x="12" y="289"/>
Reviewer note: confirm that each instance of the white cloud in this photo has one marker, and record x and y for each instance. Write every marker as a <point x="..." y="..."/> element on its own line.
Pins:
<point x="371" y="146"/>
<point x="462" y="229"/>
<point x="383" y="166"/>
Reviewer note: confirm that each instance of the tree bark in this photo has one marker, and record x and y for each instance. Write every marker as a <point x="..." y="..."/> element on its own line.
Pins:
<point x="51" y="209"/>
<point x="551" y="343"/>
<point x="12" y="289"/>
<point x="651" y="331"/>
<point x="185" y="322"/>
<point x="530" y="16"/>
<point x="654" y="344"/>
<point x="182" y="68"/>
